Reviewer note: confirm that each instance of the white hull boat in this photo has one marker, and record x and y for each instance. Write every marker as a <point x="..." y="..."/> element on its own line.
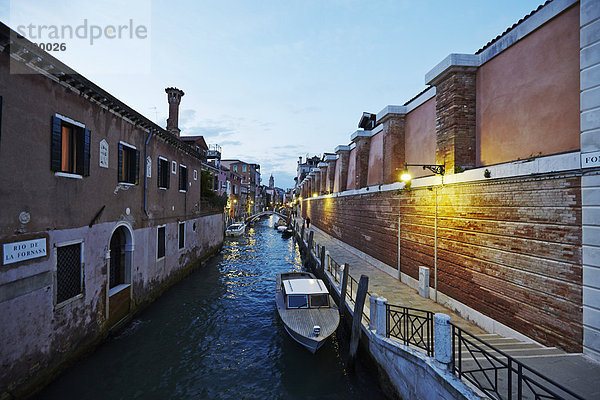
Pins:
<point x="235" y="230"/>
<point x="306" y="308"/>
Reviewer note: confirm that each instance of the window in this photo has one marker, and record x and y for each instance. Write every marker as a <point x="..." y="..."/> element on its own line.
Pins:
<point x="195" y="175"/>
<point x="244" y="168"/>
<point x="163" y="173"/>
<point x="319" y="300"/>
<point x="183" y="179"/>
<point x="297" y="301"/>
<point x="68" y="272"/>
<point x="70" y="146"/>
<point x="160" y="243"/>
<point x="173" y="167"/>
<point x="129" y="164"/>
<point x="181" y="235"/>
<point x="235" y="168"/>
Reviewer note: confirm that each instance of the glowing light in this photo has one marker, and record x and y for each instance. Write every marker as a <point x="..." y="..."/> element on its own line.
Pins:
<point x="315" y="195"/>
<point x="234" y="200"/>
<point x="405" y="177"/>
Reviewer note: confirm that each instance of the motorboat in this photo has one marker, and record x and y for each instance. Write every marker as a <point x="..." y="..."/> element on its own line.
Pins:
<point x="306" y="308"/>
<point x="236" y="229"/>
<point x="281" y="228"/>
<point x="279" y="224"/>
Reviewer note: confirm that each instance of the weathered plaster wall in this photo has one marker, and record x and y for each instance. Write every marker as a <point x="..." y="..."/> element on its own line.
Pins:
<point x="528" y="96"/>
<point x="420" y="138"/>
<point x="38" y="335"/>
<point x="375" y="175"/>
<point x="29" y="102"/>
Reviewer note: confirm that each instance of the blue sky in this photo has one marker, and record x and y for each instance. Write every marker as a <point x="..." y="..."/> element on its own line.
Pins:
<point x="270" y="81"/>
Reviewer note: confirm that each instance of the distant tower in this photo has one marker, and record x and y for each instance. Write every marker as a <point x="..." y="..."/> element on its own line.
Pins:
<point x="271" y="182"/>
<point x="174" y="96"/>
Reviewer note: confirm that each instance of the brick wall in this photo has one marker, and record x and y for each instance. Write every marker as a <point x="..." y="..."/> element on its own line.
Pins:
<point x="510" y="249"/>
<point x="455" y="119"/>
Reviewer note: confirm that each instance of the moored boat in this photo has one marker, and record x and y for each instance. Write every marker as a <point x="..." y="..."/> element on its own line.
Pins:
<point x="236" y="229"/>
<point x="306" y="308"/>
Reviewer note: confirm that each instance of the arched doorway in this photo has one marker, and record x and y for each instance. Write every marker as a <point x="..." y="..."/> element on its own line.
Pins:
<point x="119" y="273"/>
<point x="117" y="258"/>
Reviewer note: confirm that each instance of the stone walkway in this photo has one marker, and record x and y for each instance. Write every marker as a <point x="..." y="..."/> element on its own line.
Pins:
<point x="574" y="371"/>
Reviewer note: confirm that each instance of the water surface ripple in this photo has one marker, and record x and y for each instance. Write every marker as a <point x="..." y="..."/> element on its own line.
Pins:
<point x="216" y="335"/>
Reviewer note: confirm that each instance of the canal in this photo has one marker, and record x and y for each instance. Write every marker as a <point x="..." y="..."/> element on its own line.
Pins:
<point x="216" y="335"/>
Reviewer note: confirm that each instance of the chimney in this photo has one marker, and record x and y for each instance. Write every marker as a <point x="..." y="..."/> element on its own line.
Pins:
<point x="174" y="97"/>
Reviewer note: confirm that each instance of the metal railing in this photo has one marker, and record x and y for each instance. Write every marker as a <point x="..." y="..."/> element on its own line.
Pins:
<point x="492" y="371"/>
<point x="352" y="288"/>
<point x="411" y="326"/>
<point x="499" y="375"/>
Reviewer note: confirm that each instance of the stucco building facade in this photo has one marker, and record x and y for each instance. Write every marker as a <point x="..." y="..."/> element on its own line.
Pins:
<point x="101" y="212"/>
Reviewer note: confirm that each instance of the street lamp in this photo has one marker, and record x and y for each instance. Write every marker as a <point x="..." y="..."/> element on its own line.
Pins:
<point x="437" y="169"/>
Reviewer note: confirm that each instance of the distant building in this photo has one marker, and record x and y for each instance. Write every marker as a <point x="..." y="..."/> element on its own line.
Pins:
<point x="250" y="174"/>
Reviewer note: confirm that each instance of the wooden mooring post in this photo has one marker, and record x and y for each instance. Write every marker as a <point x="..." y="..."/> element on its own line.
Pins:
<point x="322" y="258"/>
<point x="361" y="294"/>
<point x="343" y="289"/>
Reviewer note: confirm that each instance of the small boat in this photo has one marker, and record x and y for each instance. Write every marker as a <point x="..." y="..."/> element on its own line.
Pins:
<point x="236" y="229"/>
<point x="287" y="233"/>
<point x="281" y="228"/>
<point x="306" y="308"/>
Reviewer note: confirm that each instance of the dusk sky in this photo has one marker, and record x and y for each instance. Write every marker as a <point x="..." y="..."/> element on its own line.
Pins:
<point x="269" y="81"/>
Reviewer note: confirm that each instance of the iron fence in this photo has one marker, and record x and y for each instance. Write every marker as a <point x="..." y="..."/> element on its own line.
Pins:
<point x="353" y="291"/>
<point x="411" y="326"/>
<point x="334" y="269"/>
<point x="499" y="375"/>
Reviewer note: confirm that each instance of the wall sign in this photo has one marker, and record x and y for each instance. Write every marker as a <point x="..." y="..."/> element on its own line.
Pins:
<point x="25" y="250"/>
<point x="148" y="167"/>
<point x="104" y="153"/>
<point x="589" y="160"/>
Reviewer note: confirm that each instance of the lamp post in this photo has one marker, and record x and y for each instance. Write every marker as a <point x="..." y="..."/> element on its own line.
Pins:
<point x="437" y="169"/>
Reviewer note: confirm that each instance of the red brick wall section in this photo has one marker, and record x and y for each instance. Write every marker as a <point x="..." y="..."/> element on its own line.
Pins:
<point x="323" y="179"/>
<point x="393" y="147"/>
<point x="510" y="249"/>
<point x="343" y="161"/>
<point x="330" y="175"/>
<point x="362" y="161"/>
<point x="455" y="120"/>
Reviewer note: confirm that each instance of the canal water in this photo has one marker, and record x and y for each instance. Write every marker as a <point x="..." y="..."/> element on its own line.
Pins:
<point x="216" y="335"/>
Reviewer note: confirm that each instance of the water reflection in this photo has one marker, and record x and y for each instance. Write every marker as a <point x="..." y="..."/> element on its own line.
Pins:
<point x="216" y="335"/>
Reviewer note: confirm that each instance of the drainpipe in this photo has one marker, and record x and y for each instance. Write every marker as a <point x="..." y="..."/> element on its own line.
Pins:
<point x="435" y="258"/>
<point x="146" y="172"/>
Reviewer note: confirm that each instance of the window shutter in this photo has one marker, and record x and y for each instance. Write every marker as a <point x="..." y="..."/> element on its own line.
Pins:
<point x="159" y="172"/>
<point x="181" y="178"/>
<point x="120" y="164"/>
<point x="168" y="175"/>
<point x="55" y="145"/>
<point x="137" y="167"/>
<point x="86" y="152"/>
